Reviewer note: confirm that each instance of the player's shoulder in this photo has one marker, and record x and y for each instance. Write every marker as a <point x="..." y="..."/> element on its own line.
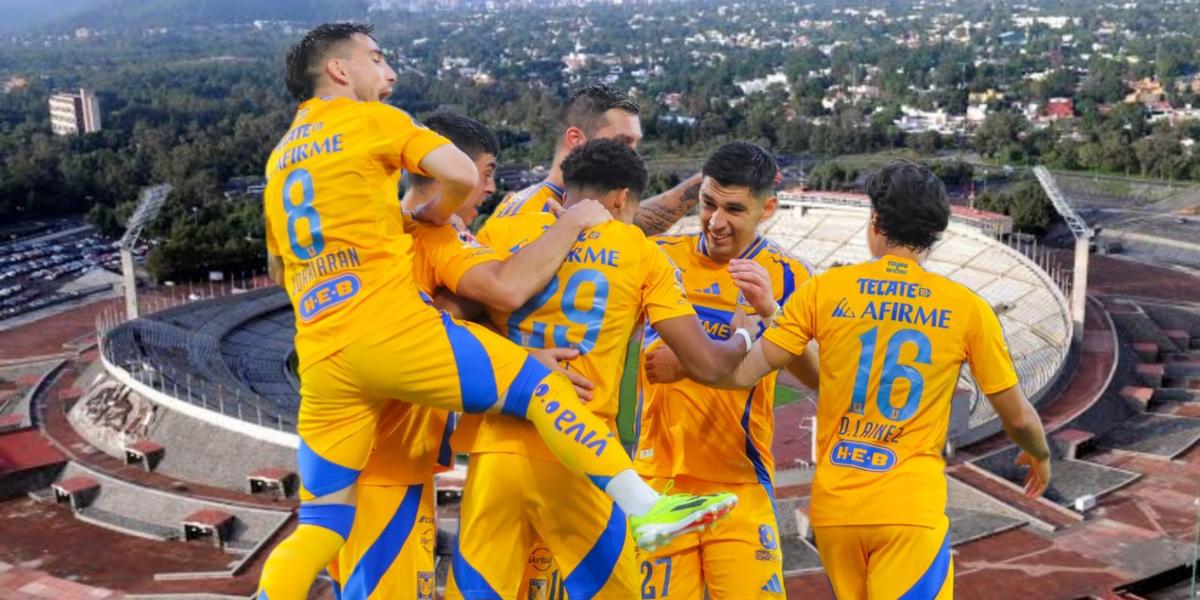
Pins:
<point x="676" y="245"/>
<point x="500" y="229"/>
<point x="774" y="256"/>
<point x="533" y="199"/>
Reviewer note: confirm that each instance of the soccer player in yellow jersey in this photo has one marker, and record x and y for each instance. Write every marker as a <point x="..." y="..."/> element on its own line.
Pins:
<point x="364" y="336"/>
<point x="598" y="112"/>
<point x="515" y="488"/>
<point x="389" y="552"/>
<point x="696" y="437"/>
<point x="892" y="339"/>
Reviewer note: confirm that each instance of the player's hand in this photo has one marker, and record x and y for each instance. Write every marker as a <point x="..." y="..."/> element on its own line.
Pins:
<point x="587" y="213"/>
<point x="555" y="207"/>
<point x="1039" y="474"/>
<point x="662" y="366"/>
<point x="755" y="283"/>
<point x="551" y="357"/>
<point x="457" y="222"/>
<point x="427" y="213"/>
<point x="750" y="323"/>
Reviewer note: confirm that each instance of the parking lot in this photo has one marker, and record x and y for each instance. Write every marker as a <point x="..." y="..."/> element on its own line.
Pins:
<point x="35" y="268"/>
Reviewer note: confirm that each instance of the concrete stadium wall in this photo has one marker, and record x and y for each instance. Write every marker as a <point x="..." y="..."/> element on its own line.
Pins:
<point x="195" y="450"/>
<point x="266" y="434"/>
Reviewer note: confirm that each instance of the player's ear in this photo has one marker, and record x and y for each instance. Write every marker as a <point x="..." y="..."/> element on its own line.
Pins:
<point x="335" y="68"/>
<point x="769" y="206"/>
<point x="574" y="138"/>
<point x="618" y="200"/>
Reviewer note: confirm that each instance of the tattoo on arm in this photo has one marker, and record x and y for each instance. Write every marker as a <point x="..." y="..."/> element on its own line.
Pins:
<point x="658" y="214"/>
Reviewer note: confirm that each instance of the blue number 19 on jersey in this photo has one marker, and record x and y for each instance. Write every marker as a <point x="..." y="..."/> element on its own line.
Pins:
<point x="892" y="370"/>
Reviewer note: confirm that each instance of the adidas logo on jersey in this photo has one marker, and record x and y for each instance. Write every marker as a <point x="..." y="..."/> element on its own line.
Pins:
<point x="843" y="310"/>
<point x="713" y="290"/>
<point x="773" y="585"/>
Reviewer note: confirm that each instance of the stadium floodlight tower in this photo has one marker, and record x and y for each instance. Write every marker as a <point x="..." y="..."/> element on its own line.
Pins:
<point x="149" y="203"/>
<point x="1083" y="236"/>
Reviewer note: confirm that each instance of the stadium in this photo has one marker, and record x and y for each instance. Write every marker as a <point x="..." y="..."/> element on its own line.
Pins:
<point x="178" y="427"/>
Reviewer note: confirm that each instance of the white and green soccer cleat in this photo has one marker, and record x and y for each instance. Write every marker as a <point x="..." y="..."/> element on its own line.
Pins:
<point x="676" y="514"/>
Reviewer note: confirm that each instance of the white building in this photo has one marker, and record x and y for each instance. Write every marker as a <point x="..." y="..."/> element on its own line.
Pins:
<point x="73" y="114"/>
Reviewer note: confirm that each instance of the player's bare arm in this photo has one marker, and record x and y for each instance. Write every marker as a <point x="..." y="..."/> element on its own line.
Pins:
<point x="806" y="368"/>
<point x="275" y="269"/>
<point x="658" y="214"/>
<point x="456" y="173"/>
<point x="508" y="284"/>
<point x="1023" y="426"/>
<point x="763" y="358"/>
<point x="702" y="358"/>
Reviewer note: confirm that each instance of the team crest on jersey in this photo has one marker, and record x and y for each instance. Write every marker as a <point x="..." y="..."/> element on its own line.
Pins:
<point x="766" y="537"/>
<point x="539" y="589"/>
<point x="424" y="585"/>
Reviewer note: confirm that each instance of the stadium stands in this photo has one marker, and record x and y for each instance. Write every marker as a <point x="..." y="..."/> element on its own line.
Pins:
<point x="145" y="512"/>
<point x="199" y="353"/>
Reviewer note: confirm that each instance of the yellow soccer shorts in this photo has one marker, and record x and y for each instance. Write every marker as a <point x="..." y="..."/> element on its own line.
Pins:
<point x="738" y="558"/>
<point x="431" y="360"/>
<point x="888" y="561"/>
<point x="389" y="553"/>
<point x="512" y="502"/>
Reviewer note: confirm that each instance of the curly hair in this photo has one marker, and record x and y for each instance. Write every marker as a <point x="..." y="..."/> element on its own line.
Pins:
<point x="603" y="166"/>
<point x="742" y="164"/>
<point x="587" y="106"/>
<point x="306" y="57"/>
<point x="910" y="204"/>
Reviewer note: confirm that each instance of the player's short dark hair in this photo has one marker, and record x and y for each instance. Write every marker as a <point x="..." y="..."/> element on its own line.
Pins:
<point x="467" y="134"/>
<point x="910" y="204"/>
<point x="586" y="107"/>
<point x="742" y="164"/>
<point x="307" y="57"/>
<point x="603" y="166"/>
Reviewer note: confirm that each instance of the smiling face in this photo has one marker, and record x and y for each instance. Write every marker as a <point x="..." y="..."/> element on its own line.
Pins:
<point x="362" y="68"/>
<point x="729" y="218"/>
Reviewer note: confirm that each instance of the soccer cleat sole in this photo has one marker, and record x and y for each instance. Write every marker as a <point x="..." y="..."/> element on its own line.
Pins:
<point x="651" y="538"/>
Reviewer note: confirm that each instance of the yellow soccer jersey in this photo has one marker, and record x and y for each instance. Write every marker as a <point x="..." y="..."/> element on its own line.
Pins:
<point x="688" y="428"/>
<point x="535" y="198"/>
<point x="332" y="215"/>
<point x="892" y="338"/>
<point x="411" y="440"/>
<point x="611" y="277"/>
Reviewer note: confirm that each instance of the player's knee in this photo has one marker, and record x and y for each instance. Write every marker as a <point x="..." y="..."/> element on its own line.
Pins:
<point x="534" y="380"/>
<point x="320" y="476"/>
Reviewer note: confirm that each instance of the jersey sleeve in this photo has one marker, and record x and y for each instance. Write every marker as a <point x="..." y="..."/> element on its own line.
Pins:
<point x="662" y="289"/>
<point x="272" y="245"/>
<point x="987" y="351"/>
<point x="788" y="274"/>
<point x="401" y="142"/>
<point x="798" y="323"/>
<point x="452" y="253"/>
